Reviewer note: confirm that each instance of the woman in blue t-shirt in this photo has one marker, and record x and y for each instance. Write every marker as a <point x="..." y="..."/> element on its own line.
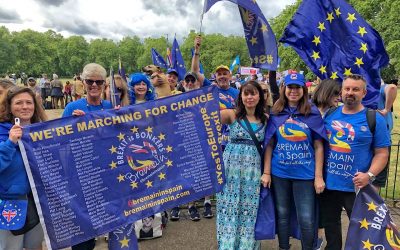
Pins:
<point x="293" y="159"/>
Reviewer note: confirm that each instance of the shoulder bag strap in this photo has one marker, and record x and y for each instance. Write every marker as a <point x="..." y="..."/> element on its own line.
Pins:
<point x="253" y="136"/>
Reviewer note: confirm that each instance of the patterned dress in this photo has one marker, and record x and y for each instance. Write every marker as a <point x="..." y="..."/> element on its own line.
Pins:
<point x="237" y="205"/>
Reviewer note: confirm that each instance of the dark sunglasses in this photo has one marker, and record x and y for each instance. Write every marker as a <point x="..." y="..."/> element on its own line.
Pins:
<point x="190" y="80"/>
<point x="90" y="82"/>
<point x="265" y="91"/>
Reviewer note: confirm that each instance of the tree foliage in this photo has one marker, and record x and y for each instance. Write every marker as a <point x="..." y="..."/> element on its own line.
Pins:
<point x="35" y="53"/>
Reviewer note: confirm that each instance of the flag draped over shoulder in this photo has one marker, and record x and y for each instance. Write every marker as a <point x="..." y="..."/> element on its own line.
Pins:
<point x="335" y="41"/>
<point x="177" y="60"/>
<point x="158" y="60"/>
<point x="371" y="226"/>
<point x="260" y="39"/>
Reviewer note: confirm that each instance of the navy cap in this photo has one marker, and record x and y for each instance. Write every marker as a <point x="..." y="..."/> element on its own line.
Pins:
<point x="295" y="78"/>
<point x="194" y="75"/>
<point x="172" y="71"/>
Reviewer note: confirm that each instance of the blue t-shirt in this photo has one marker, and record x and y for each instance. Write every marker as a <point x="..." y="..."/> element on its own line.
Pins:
<point x="84" y="106"/>
<point x="351" y="146"/>
<point x="293" y="156"/>
<point x="227" y="100"/>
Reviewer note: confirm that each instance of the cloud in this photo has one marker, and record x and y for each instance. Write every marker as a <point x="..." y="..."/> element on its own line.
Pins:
<point x="9" y="16"/>
<point x="73" y="25"/>
<point x="56" y="3"/>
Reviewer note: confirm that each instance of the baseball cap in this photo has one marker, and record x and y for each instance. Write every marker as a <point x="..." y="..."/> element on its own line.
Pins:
<point x="191" y="74"/>
<point x="294" y="78"/>
<point x="172" y="71"/>
<point x="222" y="67"/>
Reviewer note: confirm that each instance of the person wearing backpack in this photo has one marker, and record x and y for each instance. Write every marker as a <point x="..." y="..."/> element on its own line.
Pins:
<point x="358" y="152"/>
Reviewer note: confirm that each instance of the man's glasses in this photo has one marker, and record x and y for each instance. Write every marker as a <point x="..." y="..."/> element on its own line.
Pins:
<point x="192" y="80"/>
<point x="90" y="82"/>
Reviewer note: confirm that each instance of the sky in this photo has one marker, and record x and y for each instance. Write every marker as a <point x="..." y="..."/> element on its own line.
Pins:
<point x="116" y="19"/>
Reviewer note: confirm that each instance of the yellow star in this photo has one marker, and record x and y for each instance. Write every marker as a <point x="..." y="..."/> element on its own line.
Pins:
<point x="359" y="62"/>
<point x="161" y="136"/>
<point x="321" y="26"/>
<point x="161" y="176"/>
<point x="316" y="40"/>
<point x="121" y="136"/>
<point x="351" y="17"/>
<point x="149" y="129"/>
<point x="263" y="27"/>
<point x="113" y="149"/>
<point x="322" y="69"/>
<point x="169" y="149"/>
<point x="169" y="163"/>
<point x="347" y="71"/>
<point x="371" y="206"/>
<point x="315" y="55"/>
<point x="113" y="165"/>
<point x="134" y="129"/>
<point x="253" y="40"/>
<point x="364" y="47"/>
<point x="364" y="224"/>
<point x="337" y="12"/>
<point x="367" y="244"/>
<point x="330" y="17"/>
<point x="121" y="178"/>
<point x="334" y="75"/>
<point x="134" y="184"/>
<point x="149" y="183"/>
<point x="124" y="242"/>
<point x="361" y="31"/>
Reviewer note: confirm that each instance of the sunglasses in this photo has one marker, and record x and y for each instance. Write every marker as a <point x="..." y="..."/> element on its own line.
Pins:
<point x="154" y="76"/>
<point x="265" y="91"/>
<point x="192" y="80"/>
<point x="90" y="82"/>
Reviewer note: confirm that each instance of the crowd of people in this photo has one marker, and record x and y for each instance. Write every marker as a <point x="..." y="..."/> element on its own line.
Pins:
<point x="307" y="151"/>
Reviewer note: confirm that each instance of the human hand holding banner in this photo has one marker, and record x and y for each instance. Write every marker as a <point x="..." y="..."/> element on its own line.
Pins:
<point x="94" y="173"/>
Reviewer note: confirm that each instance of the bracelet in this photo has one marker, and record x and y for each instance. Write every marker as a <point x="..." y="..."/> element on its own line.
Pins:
<point x="266" y="174"/>
<point x="197" y="54"/>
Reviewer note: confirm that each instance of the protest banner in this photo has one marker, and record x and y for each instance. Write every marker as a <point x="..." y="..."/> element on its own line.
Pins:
<point x="92" y="174"/>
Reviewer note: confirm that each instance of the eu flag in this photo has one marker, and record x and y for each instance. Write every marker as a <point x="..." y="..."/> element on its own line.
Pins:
<point x="371" y="226"/>
<point x="158" y="60"/>
<point x="335" y="41"/>
<point x="260" y="39"/>
<point x="123" y="238"/>
<point x="177" y="60"/>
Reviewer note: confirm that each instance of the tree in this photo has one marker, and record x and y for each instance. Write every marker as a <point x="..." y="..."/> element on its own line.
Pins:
<point x="130" y="49"/>
<point x="73" y="53"/>
<point x="160" y="44"/>
<point x="7" y="50"/>
<point x="104" y="52"/>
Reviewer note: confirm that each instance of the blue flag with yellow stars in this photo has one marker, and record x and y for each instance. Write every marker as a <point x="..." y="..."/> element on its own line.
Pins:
<point x="371" y="226"/>
<point x="177" y="60"/>
<point x="124" y="238"/>
<point x="260" y="38"/>
<point x="13" y="214"/>
<point x="94" y="173"/>
<point x="335" y="41"/>
<point x="158" y="60"/>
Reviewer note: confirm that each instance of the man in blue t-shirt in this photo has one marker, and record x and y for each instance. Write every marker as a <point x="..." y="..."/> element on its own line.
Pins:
<point x="356" y="156"/>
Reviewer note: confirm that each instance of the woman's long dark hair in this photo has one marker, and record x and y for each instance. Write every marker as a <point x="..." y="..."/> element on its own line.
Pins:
<point x="303" y="107"/>
<point x="324" y="93"/>
<point x="39" y="114"/>
<point x="251" y="86"/>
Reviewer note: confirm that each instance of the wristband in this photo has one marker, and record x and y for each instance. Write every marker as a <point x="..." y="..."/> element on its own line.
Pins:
<point x="197" y="54"/>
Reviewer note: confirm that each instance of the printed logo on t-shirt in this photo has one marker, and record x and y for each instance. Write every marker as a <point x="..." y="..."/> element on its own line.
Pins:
<point x="342" y="135"/>
<point x="296" y="131"/>
<point x="226" y="101"/>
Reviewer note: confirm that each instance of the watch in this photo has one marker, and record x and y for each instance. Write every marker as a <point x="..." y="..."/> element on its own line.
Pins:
<point x="371" y="176"/>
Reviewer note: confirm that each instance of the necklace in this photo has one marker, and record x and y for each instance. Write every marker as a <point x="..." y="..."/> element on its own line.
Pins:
<point x="93" y="107"/>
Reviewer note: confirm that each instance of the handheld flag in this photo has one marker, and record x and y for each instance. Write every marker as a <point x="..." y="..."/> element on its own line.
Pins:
<point x="260" y="39"/>
<point x="123" y="238"/>
<point x="177" y="60"/>
<point x="371" y="226"/>
<point x="114" y="96"/>
<point x="121" y="70"/>
<point x="169" y="58"/>
<point x="335" y="41"/>
<point x="234" y="63"/>
<point x="158" y="60"/>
